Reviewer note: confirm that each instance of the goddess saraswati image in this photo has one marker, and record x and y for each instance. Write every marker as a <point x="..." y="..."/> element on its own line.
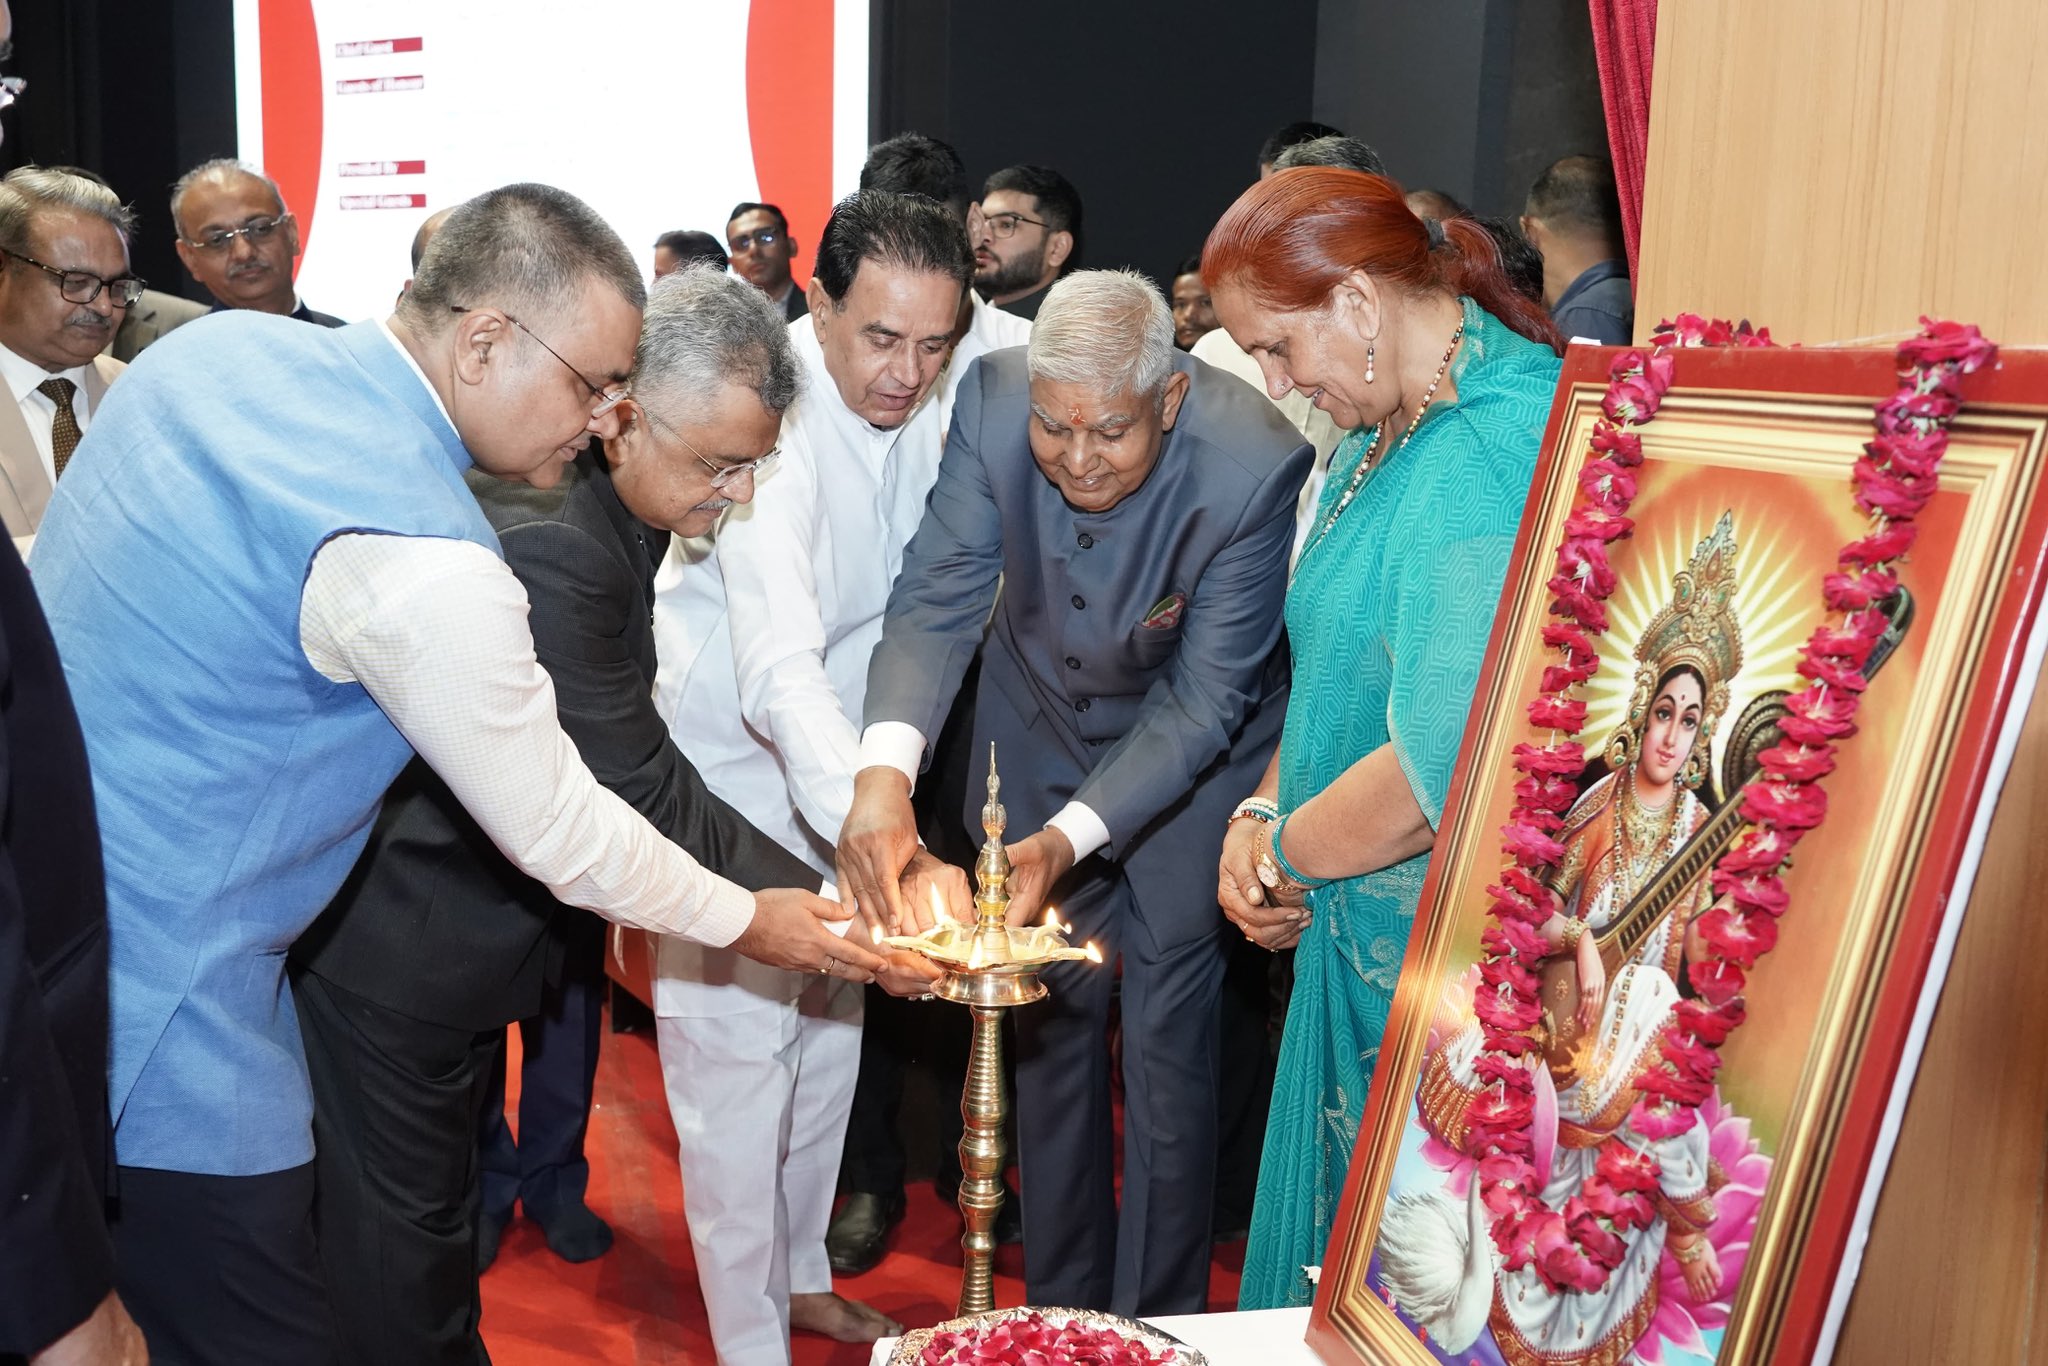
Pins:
<point x="1627" y="897"/>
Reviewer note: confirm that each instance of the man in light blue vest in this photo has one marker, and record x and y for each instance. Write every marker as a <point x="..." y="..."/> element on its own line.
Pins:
<point x="271" y="587"/>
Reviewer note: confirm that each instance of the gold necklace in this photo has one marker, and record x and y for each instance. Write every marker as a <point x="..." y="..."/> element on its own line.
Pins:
<point x="1638" y="831"/>
<point x="1368" y="460"/>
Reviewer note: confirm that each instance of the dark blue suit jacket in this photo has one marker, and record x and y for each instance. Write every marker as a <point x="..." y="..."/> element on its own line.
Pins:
<point x="1148" y="725"/>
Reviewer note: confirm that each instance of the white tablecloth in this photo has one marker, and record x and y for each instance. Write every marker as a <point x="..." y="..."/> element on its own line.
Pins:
<point x="1258" y="1337"/>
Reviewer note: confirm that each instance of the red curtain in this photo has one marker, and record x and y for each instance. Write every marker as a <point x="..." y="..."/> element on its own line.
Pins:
<point x="1624" y="40"/>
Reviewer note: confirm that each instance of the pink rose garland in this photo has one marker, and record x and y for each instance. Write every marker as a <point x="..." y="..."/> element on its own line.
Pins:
<point x="1578" y="1247"/>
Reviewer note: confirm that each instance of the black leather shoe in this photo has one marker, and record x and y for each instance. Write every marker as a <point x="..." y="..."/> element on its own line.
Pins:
<point x="859" y="1234"/>
<point x="490" y="1229"/>
<point x="574" y="1233"/>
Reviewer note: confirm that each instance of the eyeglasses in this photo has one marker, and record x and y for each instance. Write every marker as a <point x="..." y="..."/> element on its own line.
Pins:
<point x="256" y="229"/>
<point x="606" y="399"/>
<point x="764" y="237"/>
<point x="10" y="86"/>
<point x="82" y="286"/>
<point x="723" y="477"/>
<point x="1004" y="225"/>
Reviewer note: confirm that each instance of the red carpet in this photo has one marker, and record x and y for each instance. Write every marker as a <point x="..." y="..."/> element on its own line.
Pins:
<point x="639" y="1302"/>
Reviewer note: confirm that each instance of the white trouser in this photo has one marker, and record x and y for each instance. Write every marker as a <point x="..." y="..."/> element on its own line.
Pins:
<point x="760" y="1098"/>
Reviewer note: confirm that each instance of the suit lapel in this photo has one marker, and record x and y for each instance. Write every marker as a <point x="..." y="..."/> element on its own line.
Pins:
<point x="27" y="487"/>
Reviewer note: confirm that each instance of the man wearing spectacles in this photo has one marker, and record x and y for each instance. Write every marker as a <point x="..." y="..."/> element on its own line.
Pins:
<point x="238" y="239"/>
<point x="64" y="287"/>
<point x="764" y="635"/>
<point x="1026" y="233"/>
<point x="758" y="237"/>
<point x="271" y="589"/>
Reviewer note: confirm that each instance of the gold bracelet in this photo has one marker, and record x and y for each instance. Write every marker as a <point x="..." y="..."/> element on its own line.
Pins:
<point x="1574" y="930"/>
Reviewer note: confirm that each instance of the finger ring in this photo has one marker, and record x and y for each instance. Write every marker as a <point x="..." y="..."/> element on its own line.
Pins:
<point x="830" y="963"/>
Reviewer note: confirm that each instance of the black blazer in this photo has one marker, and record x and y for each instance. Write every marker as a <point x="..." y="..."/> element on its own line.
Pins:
<point x="56" y="1262"/>
<point x="434" y="922"/>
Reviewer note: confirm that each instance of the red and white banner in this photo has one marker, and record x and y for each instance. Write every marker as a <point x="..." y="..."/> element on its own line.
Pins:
<point x="660" y="116"/>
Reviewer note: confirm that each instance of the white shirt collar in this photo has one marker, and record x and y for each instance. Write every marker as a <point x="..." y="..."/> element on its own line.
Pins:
<point x="23" y="375"/>
<point x="384" y="326"/>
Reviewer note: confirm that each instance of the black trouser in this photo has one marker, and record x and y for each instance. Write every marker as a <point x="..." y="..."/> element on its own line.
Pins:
<point x="221" y="1270"/>
<point x="557" y="1076"/>
<point x="395" y="1104"/>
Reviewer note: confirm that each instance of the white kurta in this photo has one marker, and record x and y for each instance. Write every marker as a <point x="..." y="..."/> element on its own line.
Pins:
<point x="763" y="635"/>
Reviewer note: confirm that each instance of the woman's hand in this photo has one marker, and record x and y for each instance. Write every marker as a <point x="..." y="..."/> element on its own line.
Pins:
<point x="1592" y="981"/>
<point x="1703" y="1273"/>
<point x="1270" y="920"/>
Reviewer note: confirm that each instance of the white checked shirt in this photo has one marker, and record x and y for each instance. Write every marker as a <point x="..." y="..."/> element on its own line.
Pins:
<point x="435" y="630"/>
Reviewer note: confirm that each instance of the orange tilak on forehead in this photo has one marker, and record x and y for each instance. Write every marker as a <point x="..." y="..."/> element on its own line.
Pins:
<point x="1074" y="414"/>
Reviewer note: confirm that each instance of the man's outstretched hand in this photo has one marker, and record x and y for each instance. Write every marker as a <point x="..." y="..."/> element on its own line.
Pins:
<point x="791" y="929"/>
<point x="1035" y="865"/>
<point x="875" y="845"/>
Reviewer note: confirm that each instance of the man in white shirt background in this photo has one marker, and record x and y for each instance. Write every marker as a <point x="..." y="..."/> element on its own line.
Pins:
<point x="764" y="635"/>
<point x="64" y="286"/>
<point x="271" y="588"/>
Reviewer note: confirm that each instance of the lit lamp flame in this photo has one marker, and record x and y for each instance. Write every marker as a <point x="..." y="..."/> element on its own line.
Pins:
<point x="1094" y="954"/>
<point x="875" y="933"/>
<point x="940" y="915"/>
<point x="1052" y="921"/>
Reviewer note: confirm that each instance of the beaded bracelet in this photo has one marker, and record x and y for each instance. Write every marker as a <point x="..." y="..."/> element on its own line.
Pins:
<point x="1262" y="809"/>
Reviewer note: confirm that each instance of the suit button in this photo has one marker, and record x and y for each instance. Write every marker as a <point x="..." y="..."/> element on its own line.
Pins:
<point x="1086" y="541"/>
<point x="1073" y="663"/>
<point x="1079" y="602"/>
<point x="1082" y="705"/>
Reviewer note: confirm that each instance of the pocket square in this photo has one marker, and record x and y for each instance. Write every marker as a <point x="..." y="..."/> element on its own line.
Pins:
<point x="1165" y="614"/>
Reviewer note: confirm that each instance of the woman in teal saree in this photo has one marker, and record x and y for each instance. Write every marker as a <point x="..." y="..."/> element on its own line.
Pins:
<point x="1407" y="333"/>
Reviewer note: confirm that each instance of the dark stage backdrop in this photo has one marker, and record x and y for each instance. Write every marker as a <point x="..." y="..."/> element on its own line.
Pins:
<point x="136" y="90"/>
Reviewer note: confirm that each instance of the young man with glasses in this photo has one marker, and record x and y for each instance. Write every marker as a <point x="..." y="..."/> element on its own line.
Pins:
<point x="64" y="288"/>
<point x="238" y="239"/>
<point x="1026" y="233"/>
<point x="758" y="237"/>
<point x="764" y="635"/>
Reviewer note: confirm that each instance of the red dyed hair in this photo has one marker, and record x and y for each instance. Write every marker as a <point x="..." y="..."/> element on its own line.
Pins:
<point x="1291" y="238"/>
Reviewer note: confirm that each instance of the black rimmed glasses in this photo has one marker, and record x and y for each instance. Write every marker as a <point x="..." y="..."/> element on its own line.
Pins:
<point x="723" y="477"/>
<point x="605" y="399"/>
<point x="1004" y="225"/>
<point x="82" y="286"/>
<point x="256" y="229"/>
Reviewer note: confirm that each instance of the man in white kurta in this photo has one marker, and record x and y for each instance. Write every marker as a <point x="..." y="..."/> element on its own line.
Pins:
<point x="764" y="634"/>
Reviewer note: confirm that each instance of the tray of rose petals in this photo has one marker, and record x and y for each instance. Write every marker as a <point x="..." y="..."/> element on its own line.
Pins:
<point x="1043" y="1337"/>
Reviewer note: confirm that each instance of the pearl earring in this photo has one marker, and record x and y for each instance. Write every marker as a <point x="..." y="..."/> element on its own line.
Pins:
<point x="1368" y="362"/>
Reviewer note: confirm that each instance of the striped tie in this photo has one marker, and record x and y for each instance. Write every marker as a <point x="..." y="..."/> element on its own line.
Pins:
<point x="64" y="426"/>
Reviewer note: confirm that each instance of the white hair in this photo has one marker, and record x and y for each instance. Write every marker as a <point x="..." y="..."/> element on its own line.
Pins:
<point x="704" y="329"/>
<point x="1108" y="329"/>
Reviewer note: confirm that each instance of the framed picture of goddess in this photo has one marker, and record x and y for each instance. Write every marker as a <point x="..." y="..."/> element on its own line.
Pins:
<point x="1590" y="1140"/>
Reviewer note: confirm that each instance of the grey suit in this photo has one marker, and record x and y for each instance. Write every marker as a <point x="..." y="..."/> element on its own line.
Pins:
<point x="150" y="317"/>
<point x="1160" y="730"/>
<point x="25" y="485"/>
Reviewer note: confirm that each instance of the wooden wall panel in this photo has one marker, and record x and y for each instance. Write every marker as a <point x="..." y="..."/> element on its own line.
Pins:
<point x="1954" y="1268"/>
<point x="1835" y="168"/>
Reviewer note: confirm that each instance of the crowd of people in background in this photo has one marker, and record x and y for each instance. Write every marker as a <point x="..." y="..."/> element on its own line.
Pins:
<point x="399" y="648"/>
